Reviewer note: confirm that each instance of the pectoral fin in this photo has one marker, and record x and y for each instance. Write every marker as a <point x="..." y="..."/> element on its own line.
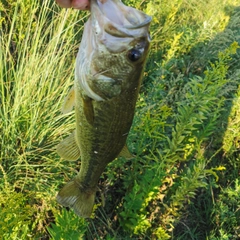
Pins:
<point x="69" y="101"/>
<point x="126" y="153"/>
<point x="68" y="148"/>
<point x="88" y="109"/>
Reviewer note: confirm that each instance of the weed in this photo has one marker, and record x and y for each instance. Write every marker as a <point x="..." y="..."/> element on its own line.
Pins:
<point x="183" y="182"/>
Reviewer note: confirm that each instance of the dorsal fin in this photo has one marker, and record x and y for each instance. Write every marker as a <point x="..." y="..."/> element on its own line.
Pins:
<point x="126" y="153"/>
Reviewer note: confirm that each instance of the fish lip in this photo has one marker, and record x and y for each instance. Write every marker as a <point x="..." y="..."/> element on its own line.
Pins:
<point x="128" y="21"/>
<point x="103" y="37"/>
<point x="140" y="25"/>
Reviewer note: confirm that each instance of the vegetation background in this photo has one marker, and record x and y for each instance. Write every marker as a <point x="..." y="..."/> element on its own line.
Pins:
<point x="183" y="182"/>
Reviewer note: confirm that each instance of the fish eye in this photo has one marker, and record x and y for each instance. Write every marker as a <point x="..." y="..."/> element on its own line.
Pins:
<point x="134" y="54"/>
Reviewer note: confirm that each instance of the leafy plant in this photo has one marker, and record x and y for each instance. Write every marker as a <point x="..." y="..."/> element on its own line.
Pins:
<point x="184" y="180"/>
<point x="67" y="226"/>
<point x="15" y="215"/>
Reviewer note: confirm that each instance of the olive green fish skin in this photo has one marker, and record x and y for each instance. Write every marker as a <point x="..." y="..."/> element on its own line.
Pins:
<point x="100" y="142"/>
<point x="108" y="75"/>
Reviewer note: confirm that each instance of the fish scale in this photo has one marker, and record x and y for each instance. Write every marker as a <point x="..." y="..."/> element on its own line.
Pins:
<point x="123" y="64"/>
<point x="107" y="80"/>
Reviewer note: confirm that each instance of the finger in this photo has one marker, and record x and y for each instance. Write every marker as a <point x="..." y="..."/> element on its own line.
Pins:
<point x="80" y="4"/>
<point x="64" y="3"/>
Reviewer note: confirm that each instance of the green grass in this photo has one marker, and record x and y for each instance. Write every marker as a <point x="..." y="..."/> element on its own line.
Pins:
<point x="183" y="182"/>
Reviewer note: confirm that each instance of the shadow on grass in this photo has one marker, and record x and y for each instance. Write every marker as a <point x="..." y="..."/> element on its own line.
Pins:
<point x="201" y="217"/>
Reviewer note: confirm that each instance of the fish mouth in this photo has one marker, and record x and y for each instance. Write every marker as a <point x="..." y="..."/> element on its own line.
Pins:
<point x="112" y="30"/>
<point x="111" y="20"/>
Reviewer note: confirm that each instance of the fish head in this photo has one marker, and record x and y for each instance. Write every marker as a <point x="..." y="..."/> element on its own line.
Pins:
<point x="114" y="49"/>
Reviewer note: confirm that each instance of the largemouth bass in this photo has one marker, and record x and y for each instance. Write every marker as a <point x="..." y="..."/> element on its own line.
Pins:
<point x="108" y="74"/>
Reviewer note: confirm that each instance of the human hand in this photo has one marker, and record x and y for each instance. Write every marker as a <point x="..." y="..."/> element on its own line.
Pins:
<point x="78" y="4"/>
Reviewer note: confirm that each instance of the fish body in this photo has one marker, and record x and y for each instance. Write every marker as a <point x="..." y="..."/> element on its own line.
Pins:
<point x="108" y="75"/>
